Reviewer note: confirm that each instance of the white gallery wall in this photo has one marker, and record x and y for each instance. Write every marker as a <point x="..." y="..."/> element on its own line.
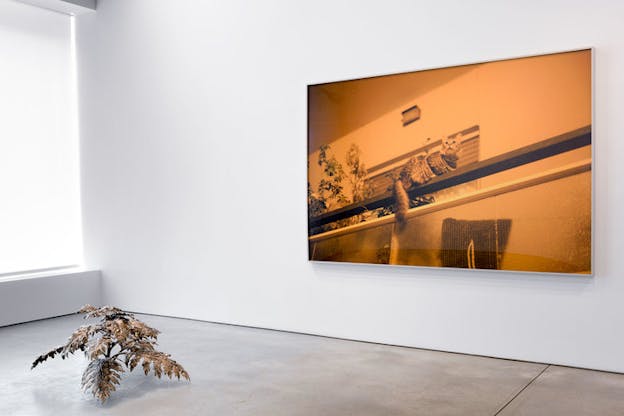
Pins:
<point x="193" y="145"/>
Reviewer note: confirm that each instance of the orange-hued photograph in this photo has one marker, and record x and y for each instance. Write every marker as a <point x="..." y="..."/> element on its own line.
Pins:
<point x="480" y="166"/>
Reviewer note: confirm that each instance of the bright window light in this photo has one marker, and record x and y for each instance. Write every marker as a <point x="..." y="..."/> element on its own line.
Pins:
<point x="40" y="224"/>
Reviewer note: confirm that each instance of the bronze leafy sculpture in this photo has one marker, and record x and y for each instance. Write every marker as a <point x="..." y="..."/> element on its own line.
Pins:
<point x="118" y="340"/>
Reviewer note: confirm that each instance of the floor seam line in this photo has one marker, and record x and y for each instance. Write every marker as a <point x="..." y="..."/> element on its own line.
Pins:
<point x="521" y="390"/>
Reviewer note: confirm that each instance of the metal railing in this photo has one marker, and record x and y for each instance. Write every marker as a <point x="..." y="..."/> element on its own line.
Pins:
<point x="541" y="150"/>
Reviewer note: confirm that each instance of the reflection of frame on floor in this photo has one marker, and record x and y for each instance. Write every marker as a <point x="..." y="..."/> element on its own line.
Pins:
<point x="505" y="199"/>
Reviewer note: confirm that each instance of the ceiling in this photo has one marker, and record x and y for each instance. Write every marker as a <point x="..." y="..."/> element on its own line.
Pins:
<point x="338" y="108"/>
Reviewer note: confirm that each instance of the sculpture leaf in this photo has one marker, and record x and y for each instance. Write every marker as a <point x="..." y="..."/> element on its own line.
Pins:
<point x="118" y="342"/>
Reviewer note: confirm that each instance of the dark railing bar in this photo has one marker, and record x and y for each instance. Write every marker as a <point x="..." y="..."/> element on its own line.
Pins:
<point x="550" y="147"/>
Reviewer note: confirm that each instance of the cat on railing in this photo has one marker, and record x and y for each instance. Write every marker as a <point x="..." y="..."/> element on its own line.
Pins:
<point x="420" y="170"/>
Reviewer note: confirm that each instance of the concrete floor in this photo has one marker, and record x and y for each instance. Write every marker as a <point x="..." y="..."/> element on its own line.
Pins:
<point x="245" y="371"/>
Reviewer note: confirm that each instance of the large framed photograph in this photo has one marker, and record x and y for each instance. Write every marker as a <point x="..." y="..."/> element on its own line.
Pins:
<point x="480" y="166"/>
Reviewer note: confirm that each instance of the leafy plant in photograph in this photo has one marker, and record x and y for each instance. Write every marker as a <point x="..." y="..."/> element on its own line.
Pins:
<point x="357" y="174"/>
<point x="331" y="193"/>
<point x="330" y="187"/>
<point x="117" y="342"/>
